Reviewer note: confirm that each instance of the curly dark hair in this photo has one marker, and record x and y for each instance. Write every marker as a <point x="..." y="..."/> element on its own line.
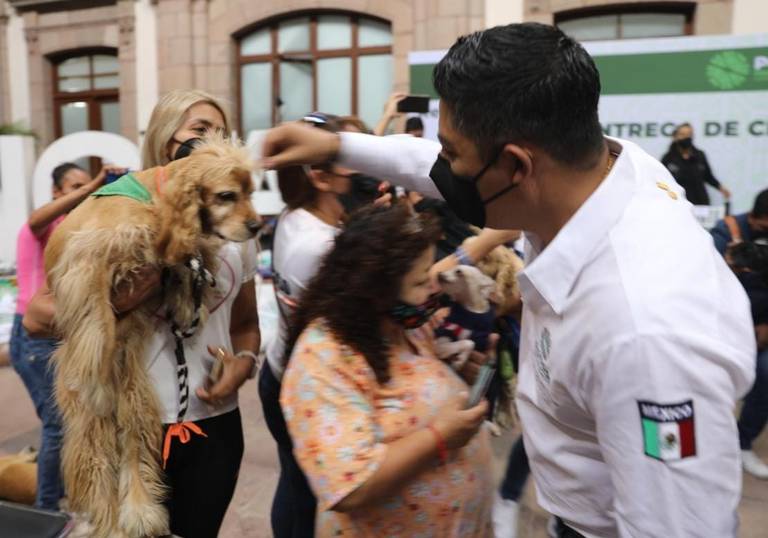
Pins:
<point x="358" y="282"/>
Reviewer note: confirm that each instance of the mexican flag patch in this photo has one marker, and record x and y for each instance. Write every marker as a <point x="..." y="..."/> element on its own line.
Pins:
<point x="668" y="430"/>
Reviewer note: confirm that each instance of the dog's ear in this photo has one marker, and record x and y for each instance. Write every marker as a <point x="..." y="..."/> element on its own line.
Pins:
<point x="179" y="206"/>
<point x="490" y="290"/>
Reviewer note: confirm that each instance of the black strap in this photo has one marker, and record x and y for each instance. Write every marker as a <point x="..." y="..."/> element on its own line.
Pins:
<point x="200" y="277"/>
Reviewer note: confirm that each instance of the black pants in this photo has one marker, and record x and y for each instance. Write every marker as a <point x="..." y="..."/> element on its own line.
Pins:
<point x="517" y="472"/>
<point x="294" y="505"/>
<point x="202" y="475"/>
<point x="564" y="531"/>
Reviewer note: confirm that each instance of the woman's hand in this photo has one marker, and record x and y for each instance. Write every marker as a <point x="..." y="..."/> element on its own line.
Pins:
<point x="458" y="425"/>
<point x="476" y="359"/>
<point x="390" y="108"/>
<point x="234" y="372"/>
<point x="136" y="289"/>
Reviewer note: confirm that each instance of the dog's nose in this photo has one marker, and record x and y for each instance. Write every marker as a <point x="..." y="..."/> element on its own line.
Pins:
<point x="253" y="226"/>
<point x="441" y="278"/>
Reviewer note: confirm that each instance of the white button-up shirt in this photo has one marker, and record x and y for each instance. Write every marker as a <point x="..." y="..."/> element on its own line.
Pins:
<point x="637" y="342"/>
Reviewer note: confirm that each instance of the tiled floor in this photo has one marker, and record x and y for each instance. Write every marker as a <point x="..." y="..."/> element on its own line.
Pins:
<point x="248" y="515"/>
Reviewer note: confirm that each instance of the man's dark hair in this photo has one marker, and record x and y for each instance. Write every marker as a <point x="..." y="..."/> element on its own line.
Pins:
<point x="60" y="171"/>
<point x="414" y="124"/>
<point x="524" y="83"/>
<point x="760" y="209"/>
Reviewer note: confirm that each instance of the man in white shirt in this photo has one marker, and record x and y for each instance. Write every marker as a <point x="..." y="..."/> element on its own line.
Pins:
<point x="637" y="339"/>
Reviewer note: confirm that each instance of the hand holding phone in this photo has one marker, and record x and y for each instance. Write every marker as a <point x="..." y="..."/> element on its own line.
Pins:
<point x="483" y="380"/>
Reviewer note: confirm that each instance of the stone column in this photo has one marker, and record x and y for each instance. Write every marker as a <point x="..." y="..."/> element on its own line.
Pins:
<point x="174" y="45"/>
<point x="126" y="55"/>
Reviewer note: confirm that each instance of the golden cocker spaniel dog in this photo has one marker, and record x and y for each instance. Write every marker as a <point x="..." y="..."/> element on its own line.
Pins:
<point x="182" y="215"/>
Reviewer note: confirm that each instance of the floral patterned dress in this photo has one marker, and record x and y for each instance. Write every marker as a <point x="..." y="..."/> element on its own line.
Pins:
<point x="341" y="421"/>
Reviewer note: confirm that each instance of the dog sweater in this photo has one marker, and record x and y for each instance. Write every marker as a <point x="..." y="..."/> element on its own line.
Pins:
<point x="461" y="324"/>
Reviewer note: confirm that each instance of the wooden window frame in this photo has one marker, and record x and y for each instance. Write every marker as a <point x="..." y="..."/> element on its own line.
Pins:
<point x="677" y="8"/>
<point x="313" y="54"/>
<point x="92" y="97"/>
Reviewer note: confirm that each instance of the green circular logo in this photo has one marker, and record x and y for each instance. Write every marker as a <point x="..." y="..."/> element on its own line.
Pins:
<point x="728" y="70"/>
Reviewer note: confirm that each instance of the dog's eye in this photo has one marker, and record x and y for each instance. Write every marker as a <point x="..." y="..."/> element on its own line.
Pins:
<point x="226" y="196"/>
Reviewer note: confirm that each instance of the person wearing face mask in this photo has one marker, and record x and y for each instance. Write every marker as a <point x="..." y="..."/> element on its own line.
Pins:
<point x="380" y="425"/>
<point x="690" y="167"/>
<point x="201" y="456"/>
<point x="318" y="201"/>
<point x="636" y="338"/>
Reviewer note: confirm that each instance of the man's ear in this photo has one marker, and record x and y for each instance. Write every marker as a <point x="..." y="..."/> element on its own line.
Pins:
<point x="517" y="160"/>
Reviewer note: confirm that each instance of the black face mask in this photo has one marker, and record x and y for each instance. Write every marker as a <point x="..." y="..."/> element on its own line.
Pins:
<point x="460" y="192"/>
<point x="186" y="148"/>
<point x="685" y="143"/>
<point x="363" y="190"/>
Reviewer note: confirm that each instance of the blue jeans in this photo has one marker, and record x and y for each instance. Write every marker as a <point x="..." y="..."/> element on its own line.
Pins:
<point x="30" y="358"/>
<point x="754" y="413"/>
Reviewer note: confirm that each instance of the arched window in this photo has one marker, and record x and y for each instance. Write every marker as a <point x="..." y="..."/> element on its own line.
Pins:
<point x="338" y="63"/>
<point x="86" y="95"/>
<point x="628" y="21"/>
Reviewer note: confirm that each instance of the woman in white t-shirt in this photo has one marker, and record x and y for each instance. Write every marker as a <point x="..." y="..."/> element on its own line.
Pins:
<point x="202" y="460"/>
<point x="202" y="455"/>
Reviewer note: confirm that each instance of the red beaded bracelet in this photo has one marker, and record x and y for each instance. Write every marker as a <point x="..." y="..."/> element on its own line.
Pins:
<point x="442" y="449"/>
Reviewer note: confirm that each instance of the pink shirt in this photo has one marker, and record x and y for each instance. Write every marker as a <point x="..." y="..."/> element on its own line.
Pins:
<point x="30" y="270"/>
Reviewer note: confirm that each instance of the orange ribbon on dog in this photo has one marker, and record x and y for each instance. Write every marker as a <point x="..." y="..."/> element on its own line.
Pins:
<point x="160" y="178"/>
<point x="180" y="430"/>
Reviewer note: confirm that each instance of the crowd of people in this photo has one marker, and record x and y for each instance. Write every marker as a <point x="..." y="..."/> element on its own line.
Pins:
<point x="634" y="332"/>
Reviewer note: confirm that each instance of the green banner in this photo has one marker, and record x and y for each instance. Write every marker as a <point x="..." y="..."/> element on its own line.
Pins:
<point x="738" y="69"/>
<point x="684" y="72"/>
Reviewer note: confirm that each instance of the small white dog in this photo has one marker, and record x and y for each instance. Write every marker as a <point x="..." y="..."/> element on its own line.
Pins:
<point x="470" y="322"/>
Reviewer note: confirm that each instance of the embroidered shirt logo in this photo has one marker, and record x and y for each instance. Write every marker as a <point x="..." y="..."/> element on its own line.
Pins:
<point x="542" y="355"/>
<point x="668" y="430"/>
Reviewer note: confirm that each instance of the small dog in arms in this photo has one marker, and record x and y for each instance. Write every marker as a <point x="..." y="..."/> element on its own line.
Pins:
<point x="471" y="317"/>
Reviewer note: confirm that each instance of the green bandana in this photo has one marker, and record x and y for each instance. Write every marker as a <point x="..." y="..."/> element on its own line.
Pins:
<point x="126" y="186"/>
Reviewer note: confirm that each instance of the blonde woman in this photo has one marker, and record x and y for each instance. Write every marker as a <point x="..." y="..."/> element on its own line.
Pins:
<point x="201" y="459"/>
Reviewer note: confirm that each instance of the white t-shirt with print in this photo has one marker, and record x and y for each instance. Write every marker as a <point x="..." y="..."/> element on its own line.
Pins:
<point x="301" y="242"/>
<point x="237" y="264"/>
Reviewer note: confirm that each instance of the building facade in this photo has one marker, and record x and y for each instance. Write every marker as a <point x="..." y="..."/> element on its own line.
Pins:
<point x="67" y="66"/>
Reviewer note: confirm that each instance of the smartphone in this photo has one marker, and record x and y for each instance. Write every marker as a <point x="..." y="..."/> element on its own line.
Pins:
<point x="113" y="176"/>
<point x="483" y="381"/>
<point x="414" y="103"/>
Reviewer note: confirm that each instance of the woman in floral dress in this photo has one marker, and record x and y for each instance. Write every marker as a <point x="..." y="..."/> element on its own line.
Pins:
<point x="379" y="423"/>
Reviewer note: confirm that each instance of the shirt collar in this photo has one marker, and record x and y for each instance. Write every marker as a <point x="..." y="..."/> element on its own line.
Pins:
<point x="551" y="273"/>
